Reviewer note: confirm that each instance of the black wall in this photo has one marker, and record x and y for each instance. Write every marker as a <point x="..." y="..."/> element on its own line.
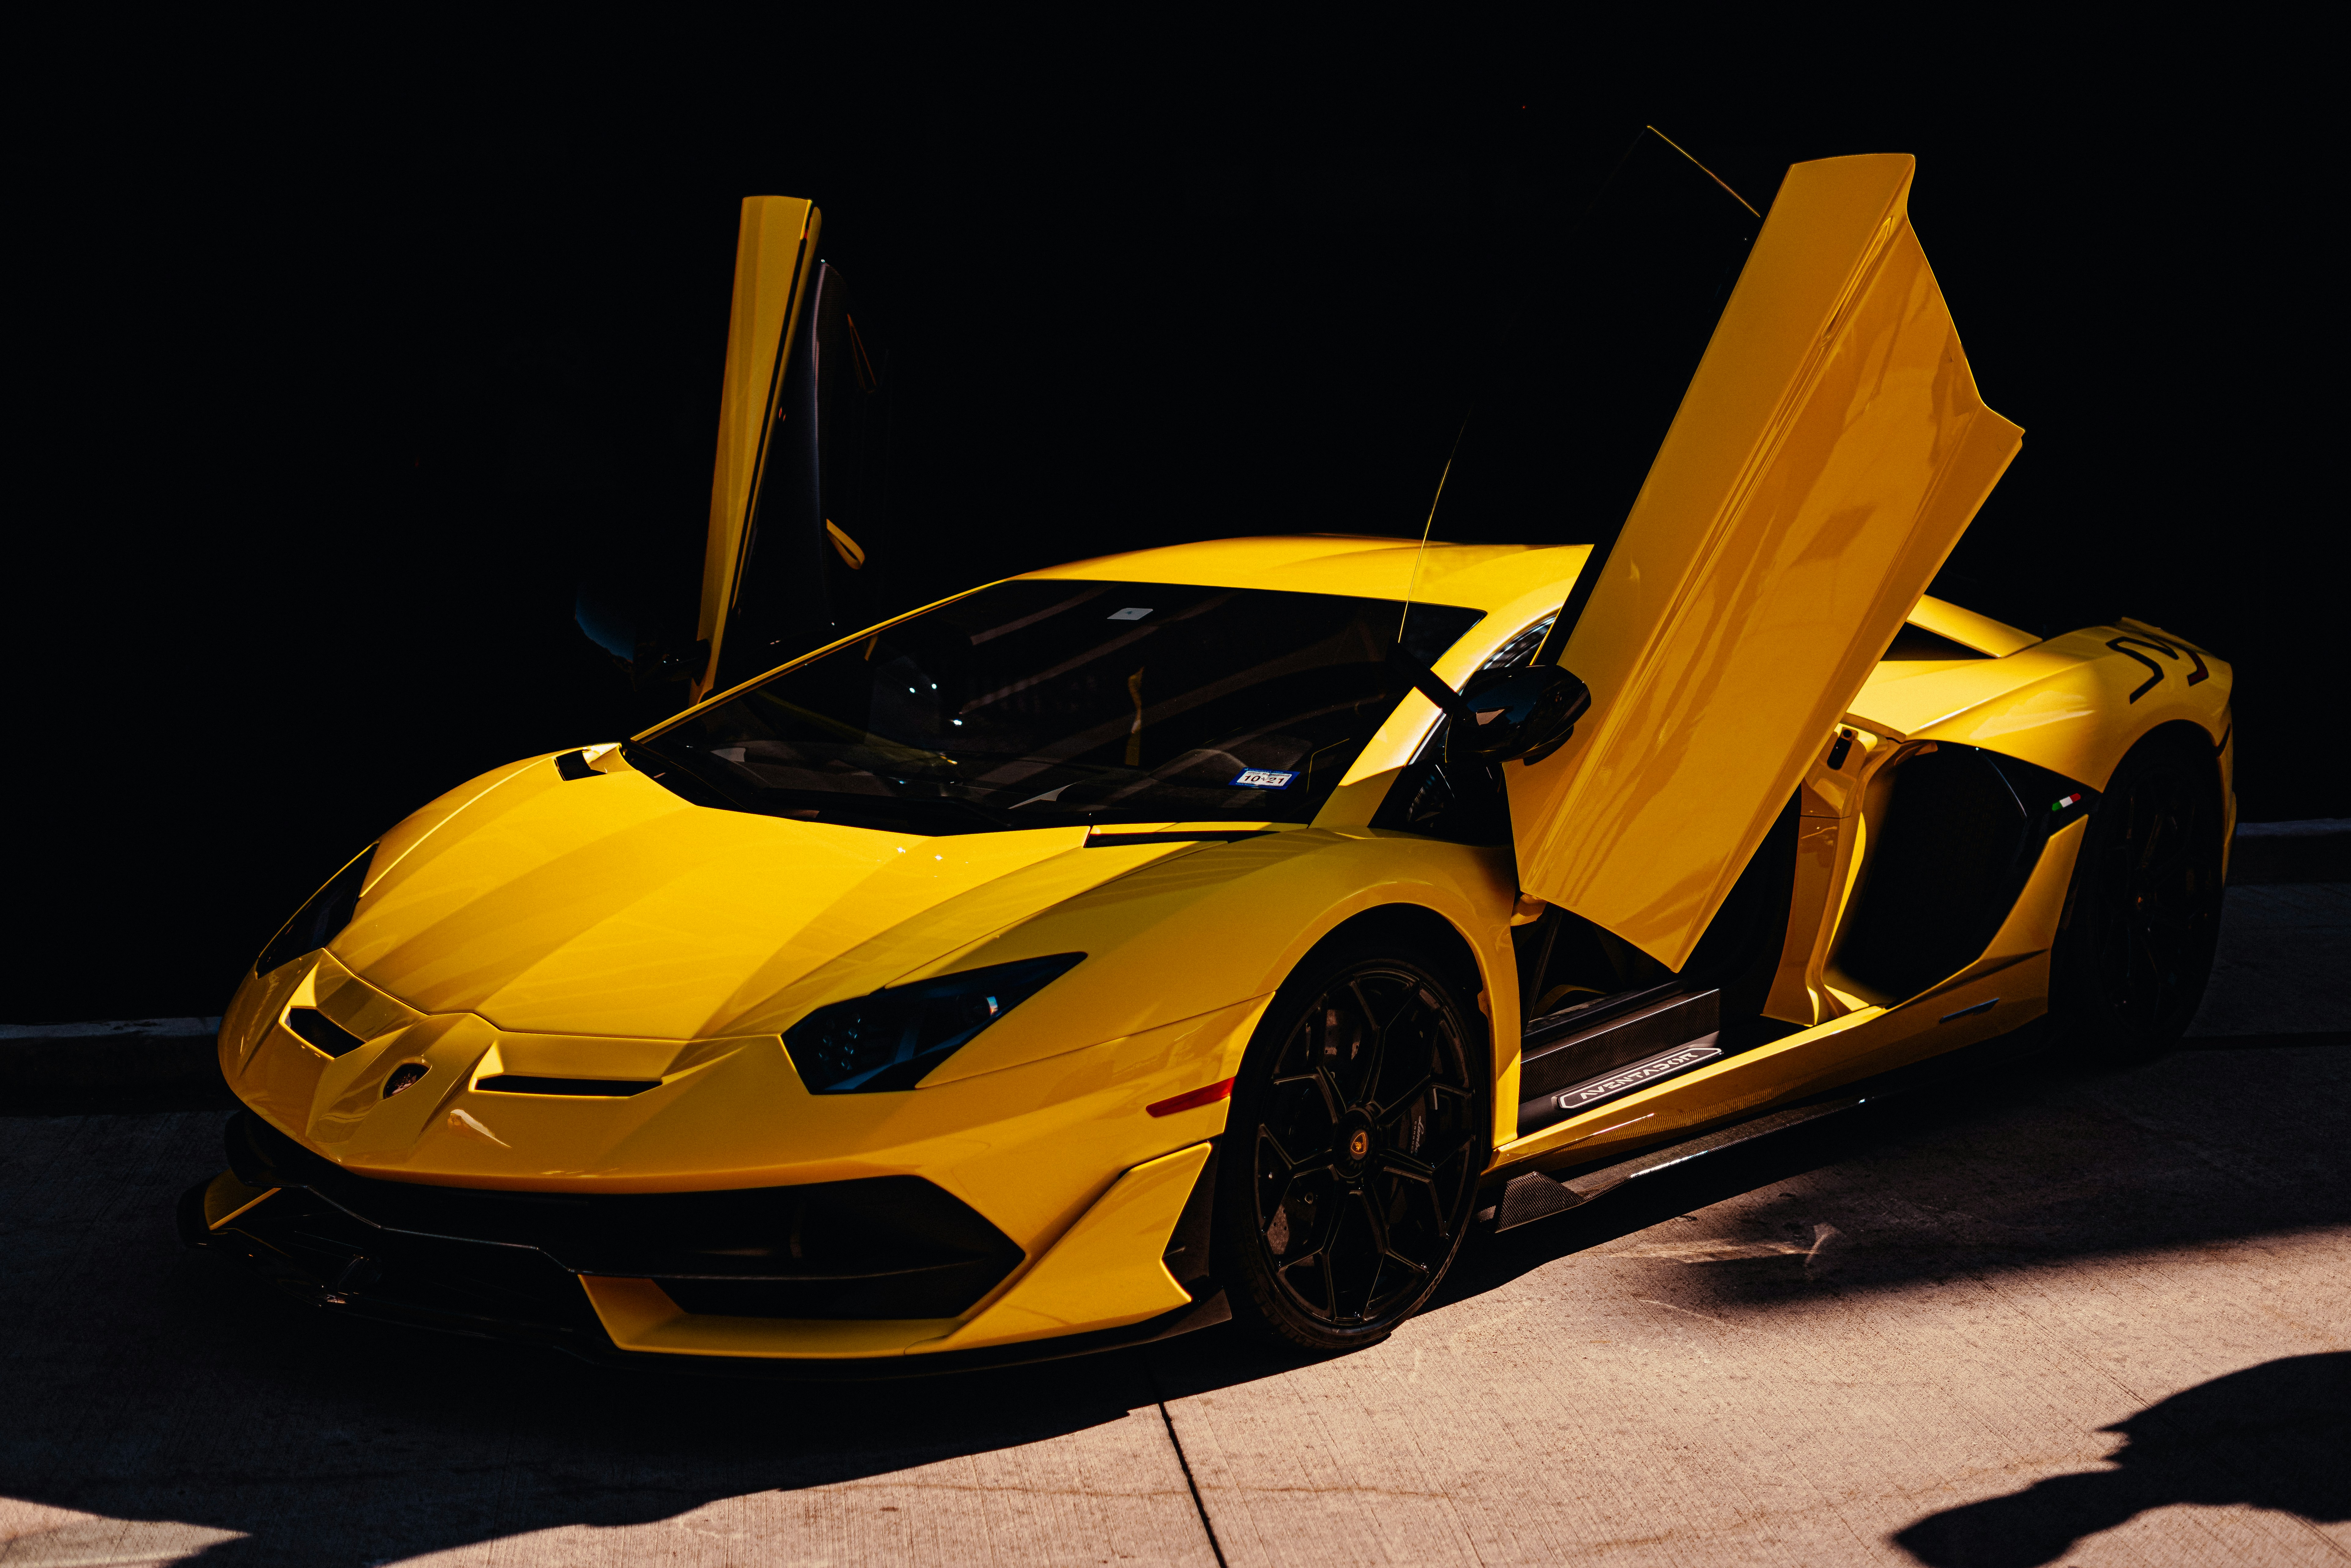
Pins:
<point x="326" y="412"/>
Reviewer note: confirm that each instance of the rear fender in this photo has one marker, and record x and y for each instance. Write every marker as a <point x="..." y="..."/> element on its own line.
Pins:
<point x="2074" y="704"/>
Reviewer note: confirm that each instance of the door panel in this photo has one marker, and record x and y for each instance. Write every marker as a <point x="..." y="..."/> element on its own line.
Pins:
<point x="1828" y="454"/>
<point x="775" y="251"/>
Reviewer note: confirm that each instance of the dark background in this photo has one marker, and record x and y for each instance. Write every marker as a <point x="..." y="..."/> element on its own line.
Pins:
<point x="329" y="394"/>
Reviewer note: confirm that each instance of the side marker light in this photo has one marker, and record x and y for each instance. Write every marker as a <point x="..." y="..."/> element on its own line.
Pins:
<point x="1192" y="1100"/>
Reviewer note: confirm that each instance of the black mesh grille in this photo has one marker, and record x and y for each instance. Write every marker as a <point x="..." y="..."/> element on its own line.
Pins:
<point x="886" y="1247"/>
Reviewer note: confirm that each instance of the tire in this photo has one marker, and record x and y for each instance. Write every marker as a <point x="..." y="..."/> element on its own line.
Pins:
<point x="1359" y="1130"/>
<point x="2144" y="913"/>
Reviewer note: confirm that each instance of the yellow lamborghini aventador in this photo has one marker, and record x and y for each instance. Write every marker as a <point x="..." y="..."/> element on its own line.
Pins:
<point x="1229" y="930"/>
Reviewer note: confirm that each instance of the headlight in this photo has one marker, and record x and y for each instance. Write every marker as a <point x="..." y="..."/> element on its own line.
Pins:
<point x="315" y="923"/>
<point x="891" y="1038"/>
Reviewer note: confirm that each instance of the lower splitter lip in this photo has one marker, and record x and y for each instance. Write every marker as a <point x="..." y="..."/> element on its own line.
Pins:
<point x="580" y="1333"/>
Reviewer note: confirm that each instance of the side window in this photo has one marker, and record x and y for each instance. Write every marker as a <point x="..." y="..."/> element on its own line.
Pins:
<point x="1462" y="803"/>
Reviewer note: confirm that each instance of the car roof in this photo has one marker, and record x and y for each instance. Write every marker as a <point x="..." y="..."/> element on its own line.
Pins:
<point x="1477" y="577"/>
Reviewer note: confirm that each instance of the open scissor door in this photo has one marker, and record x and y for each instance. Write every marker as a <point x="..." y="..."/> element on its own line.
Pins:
<point x="797" y="494"/>
<point x="1827" y="454"/>
<point x="775" y="255"/>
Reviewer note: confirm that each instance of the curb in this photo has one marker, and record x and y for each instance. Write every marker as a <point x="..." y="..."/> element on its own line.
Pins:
<point x="179" y="1053"/>
<point x="126" y="1053"/>
<point x="2315" y="851"/>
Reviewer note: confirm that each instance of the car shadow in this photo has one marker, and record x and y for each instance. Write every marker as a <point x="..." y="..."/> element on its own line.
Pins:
<point x="2276" y="1435"/>
<point x="2018" y="1164"/>
<point x="151" y="1384"/>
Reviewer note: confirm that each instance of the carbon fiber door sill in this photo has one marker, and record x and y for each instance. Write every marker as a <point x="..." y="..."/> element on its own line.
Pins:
<point x="1536" y="1195"/>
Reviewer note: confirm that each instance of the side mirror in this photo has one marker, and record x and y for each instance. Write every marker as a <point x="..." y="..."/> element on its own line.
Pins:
<point x="1526" y="713"/>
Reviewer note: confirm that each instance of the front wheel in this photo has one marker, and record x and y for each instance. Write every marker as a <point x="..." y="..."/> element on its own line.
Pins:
<point x="1358" y="1132"/>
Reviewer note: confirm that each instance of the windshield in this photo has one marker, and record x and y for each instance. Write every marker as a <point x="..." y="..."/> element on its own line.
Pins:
<point x="1045" y="702"/>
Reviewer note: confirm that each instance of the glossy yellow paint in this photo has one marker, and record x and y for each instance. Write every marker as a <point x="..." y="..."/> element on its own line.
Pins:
<point x="2064" y="704"/>
<point x="1033" y="1148"/>
<point x="775" y="249"/>
<point x="1105" y="1271"/>
<point x="1479" y="577"/>
<point x="2012" y="972"/>
<point x="1242" y="915"/>
<point x="639" y="1316"/>
<point x="1827" y="455"/>
<point x="1832" y="836"/>
<point x="1968" y="628"/>
<point x="612" y="907"/>
<point x="602" y="927"/>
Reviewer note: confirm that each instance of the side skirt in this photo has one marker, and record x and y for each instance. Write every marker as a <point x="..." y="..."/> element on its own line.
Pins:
<point x="1536" y="1195"/>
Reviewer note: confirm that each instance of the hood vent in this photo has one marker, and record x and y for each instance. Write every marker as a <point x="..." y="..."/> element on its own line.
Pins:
<point x="594" y="1088"/>
<point x="322" y="1031"/>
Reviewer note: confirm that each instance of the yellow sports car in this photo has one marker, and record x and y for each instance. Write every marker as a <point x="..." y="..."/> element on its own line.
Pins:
<point x="1227" y="930"/>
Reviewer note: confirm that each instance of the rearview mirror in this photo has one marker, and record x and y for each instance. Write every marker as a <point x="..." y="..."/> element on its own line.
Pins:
<point x="1526" y="713"/>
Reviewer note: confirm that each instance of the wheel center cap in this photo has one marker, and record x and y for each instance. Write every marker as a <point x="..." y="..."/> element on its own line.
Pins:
<point x="1360" y="1145"/>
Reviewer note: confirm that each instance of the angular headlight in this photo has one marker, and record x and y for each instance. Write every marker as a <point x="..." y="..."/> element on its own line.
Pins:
<point x="891" y="1038"/>
<point x="315" y="923"/>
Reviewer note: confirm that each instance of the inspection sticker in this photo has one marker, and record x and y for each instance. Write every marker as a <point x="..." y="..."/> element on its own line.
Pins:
<point x="1263" y="779"/>
<point x="1132" y="613"/>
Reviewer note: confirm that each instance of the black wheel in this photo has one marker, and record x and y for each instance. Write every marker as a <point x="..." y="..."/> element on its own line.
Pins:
<point x="2136" y="950"/>
<point x="1351" y="1161"/>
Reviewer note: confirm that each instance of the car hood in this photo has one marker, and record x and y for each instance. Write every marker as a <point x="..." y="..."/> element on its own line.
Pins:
<point x="607" y="905"/>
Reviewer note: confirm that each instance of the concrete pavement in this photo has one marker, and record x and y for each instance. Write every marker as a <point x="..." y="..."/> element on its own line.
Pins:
<point x="1918" y="1334"/>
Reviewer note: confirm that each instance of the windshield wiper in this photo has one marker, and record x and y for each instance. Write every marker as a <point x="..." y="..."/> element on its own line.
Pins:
<point x="997" y="819"/>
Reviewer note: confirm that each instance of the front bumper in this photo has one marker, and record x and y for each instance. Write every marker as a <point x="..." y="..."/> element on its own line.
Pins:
<point x="1029" y="1202"/>
<point x="884" y="1277"/>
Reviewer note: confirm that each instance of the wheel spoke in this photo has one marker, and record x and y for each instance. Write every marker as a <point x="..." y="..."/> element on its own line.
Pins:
<point x="1365" y="1076"/>
<point x="1423" y="1169"/>
<point x="1391" y="1109"/>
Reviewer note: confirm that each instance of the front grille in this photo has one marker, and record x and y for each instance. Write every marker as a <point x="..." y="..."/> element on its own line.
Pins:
<point x="941" y="1292"/>
<point x="327" y="1254"/>
<point x="880" y="1248"/>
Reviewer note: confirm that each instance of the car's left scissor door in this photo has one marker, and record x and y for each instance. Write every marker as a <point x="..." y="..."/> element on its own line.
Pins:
<point x="774" y="264"/>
